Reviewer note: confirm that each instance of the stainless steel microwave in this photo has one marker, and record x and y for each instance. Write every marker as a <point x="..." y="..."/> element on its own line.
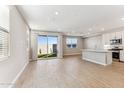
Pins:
<point x="115" y="41"/>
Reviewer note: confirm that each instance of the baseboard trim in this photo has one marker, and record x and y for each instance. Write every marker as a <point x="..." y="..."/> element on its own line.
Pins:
<point x="17" y="76"/>
<point x="72" y="54"/>
<point x="33" y="60"/>
<point x="89" y="60"/>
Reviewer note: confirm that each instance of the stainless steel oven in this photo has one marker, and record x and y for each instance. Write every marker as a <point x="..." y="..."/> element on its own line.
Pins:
<point x="116" y="55"/>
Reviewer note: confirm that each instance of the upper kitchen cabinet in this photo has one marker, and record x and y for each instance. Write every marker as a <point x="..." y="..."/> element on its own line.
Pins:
<point x="112" y="35"/>
<point x="118" y="35"/>
<point x="4" y="17"/>
<point x="106" y="39"/>
<point x="122" y="33"/>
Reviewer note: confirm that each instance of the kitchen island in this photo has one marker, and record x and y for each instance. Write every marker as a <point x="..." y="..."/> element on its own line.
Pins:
<point x="103" y="57"/>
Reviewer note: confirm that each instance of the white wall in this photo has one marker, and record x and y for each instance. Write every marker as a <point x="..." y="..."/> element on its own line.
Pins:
<point x="94" y="42"/>
<point x="72" y="51"/>
<point x="10" y="68"/>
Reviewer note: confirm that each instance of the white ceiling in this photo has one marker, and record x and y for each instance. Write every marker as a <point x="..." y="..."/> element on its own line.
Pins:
<point x="73" y="19"/>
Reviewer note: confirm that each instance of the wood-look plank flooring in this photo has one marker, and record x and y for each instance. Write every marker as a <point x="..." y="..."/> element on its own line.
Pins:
<point x="71" y="72"/>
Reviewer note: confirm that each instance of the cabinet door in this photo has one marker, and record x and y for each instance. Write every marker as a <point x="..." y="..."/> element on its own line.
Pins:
<point x="122" y="37"/>
<point x="121" y="55"/>
<point x="118" y="35"/>
<point x="112" y="35"/>
<point x="106" y="39"/>
<point x="4" y="17"/>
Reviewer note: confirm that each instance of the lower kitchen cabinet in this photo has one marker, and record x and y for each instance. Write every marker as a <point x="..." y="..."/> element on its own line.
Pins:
<point x="122" y="55"/>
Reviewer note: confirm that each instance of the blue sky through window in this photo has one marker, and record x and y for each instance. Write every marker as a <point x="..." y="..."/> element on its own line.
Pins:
<point x="43" y="40"/>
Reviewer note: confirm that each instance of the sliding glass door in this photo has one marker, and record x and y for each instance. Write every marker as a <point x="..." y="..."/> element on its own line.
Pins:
<point x="42" y="46"/>
<point x="47" y="46"/>
<point x="52" y="46"/>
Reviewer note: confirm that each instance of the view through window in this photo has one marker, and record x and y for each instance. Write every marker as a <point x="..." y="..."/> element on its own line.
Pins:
<point x="47" y="46"/>
<point x="71" y="42"/>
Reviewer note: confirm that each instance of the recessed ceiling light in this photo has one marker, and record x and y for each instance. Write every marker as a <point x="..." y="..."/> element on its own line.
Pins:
<point x="122" y="18"/>
<point x="102" y="29"/>
<point x="88" y="33"/>
<point x="56" y="13"/>
<point x="90" y="29"/>
<point x="82" y="34"/>
<point x="59" y="29"/>
<point x="72" y="31"/>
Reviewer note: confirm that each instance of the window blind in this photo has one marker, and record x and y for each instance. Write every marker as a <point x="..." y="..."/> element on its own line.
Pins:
<point x="4" y="44"/>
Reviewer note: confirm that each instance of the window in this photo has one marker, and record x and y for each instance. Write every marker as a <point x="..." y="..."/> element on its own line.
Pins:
<point x="4" y="32"/>
<point x="4" y="47"/>
<point x="71" y="42"/>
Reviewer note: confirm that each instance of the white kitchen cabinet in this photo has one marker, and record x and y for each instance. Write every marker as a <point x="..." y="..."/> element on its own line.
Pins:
<point x="102" y="57"/>
<point x="106" y="39"/>
<point x="122" y="55"/>
<point x="4" y="17"/>
<point x="118" y="35"/>
<point x="112" y="35"/>
<point x="122" y="37"/>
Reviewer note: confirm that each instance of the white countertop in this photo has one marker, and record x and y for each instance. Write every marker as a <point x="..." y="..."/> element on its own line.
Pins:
<point x="96" y="50"/>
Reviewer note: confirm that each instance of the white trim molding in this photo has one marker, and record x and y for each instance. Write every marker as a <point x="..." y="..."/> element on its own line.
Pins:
<point x="17" y="76"/>
<point x="72" y="54"/>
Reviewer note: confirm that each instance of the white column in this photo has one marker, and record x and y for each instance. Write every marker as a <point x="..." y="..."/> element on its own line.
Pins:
<point x="60" y="47"/>
<point x="34" y="46"/>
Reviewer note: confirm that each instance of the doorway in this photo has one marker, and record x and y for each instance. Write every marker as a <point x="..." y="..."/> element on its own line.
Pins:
<point x="47" y="46"/>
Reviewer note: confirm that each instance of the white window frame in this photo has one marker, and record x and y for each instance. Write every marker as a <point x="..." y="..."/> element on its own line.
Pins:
<point x="71" y="42"/>
<point x="8" y="50"/>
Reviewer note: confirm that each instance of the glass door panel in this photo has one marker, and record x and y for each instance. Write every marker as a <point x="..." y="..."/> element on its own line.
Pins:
<point x="52" y="46"/>
<point x="42" y="46"/>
